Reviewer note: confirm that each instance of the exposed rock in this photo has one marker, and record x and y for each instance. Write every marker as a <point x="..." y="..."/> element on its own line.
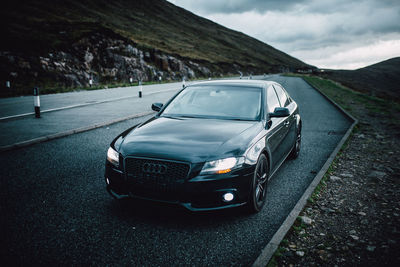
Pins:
<point x="306" y="220"/>
<point x="88" y="57"/>
<point x="347" y="175"/>
<point x="328" y="210"/>
<point x="104" y="59"/>
<point x="300" y="253"/>
<point x="176" y="65"/>
<point x="131" y="51"/>
<point x="335" y="178"/>
<point x="110" y="72"/>
<point x="72" y="80"/>
<point x="190" y="73"/>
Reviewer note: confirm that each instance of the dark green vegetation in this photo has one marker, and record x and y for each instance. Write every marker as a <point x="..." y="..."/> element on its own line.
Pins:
<point x="60" y="43"/>
<point x="361" y="105"/>
<point x="381" y="79"/>
<point x="45" y="25"/>
<point x="379" y="119"/>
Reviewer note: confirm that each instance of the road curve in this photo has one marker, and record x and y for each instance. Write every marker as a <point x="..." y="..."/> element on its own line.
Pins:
<point x="55" y="208"/>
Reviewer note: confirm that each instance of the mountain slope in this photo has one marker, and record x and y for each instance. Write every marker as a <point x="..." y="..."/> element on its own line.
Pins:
<point x="381" y="79"/>
<point x="156" y="30"/>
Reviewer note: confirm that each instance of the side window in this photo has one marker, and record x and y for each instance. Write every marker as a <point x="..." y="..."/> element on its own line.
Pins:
<point x="272" y="99"/>
<point x="282" y="96"/>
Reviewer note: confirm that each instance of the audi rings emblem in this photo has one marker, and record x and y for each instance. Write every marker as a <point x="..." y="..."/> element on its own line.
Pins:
<point x="154" y="168"/>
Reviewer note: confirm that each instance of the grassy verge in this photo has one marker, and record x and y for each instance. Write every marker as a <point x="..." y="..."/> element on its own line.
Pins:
<point x="357" y="104"/>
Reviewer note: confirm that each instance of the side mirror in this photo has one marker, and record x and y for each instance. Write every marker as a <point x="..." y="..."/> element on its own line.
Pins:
<point x="156" y="106"/>
<point x="279" y="112"/>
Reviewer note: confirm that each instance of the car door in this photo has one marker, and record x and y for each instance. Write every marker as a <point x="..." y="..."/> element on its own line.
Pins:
<point x="276" y="130"/>
<point x="289" y="122"/>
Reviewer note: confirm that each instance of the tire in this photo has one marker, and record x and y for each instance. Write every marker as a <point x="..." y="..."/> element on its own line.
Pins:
<point x="294" y="153"/>
<point x="259" y="184"/>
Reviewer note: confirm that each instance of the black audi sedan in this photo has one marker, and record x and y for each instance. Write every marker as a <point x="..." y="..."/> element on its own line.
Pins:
<point x="214" y="145"/>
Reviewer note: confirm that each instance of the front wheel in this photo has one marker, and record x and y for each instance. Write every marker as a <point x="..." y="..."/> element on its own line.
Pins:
<point x="259" y="185"/>
<point x="294" y="153"/>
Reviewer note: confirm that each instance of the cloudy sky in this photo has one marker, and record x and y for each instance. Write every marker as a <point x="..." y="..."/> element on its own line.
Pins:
<point x="339" y="34"/>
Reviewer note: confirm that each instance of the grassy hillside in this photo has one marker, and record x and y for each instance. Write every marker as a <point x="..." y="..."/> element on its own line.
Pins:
<point x="46" y="25"/>
<point x="381" y="79"/>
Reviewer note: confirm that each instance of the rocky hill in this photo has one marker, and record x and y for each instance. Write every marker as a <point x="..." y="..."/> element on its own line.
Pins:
<point x="381" y="79"/>
<point x="64" y="43"/>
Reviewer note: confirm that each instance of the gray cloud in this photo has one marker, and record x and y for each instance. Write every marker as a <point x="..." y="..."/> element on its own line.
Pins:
<point x="311" y="29"/>
<point x="236" y="6"/>
<point x="261" y="6"/>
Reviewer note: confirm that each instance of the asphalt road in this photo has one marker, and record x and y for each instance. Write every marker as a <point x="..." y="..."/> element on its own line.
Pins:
<point x="55" y="210"/>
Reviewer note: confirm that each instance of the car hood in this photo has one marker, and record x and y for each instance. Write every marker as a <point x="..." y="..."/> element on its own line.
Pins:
<point x="189" y="139"/>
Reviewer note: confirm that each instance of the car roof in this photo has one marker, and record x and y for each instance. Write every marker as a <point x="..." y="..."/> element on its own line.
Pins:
<point x="251" y="83"/>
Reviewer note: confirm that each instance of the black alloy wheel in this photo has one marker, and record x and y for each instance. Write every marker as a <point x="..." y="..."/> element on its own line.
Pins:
<point x="297" y="145"/>
<point x="259" y="185"/>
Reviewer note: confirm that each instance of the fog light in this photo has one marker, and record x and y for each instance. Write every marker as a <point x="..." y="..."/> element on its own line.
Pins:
<point x="107" y="181"/>
<point x="227" y="197"/>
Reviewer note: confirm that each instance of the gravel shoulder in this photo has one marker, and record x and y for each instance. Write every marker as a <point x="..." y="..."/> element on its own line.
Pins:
<point x="353" y="216"/>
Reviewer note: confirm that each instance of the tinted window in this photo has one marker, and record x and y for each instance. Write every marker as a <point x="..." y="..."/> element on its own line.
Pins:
<point x="225" y="102"/>
<point x="272" y="99"/>
<point x="282" y="96"/>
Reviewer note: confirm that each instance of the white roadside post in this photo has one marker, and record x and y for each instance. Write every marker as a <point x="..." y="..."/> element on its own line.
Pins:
<point x="131" y="80"/>
<point x="36" y="102"/>
<point x="8" y="84"/>
<point x="140" y="88"/>
<point x="183" y="82"/>
<point x="90" y="82"/>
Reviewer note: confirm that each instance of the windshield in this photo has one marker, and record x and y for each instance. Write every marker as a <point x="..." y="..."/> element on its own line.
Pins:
<point x="224" y="102"/>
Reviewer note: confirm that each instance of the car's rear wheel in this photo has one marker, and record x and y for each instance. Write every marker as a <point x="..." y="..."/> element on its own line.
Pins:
<point x="294" y="153"/>
<point x="259" y="185"/>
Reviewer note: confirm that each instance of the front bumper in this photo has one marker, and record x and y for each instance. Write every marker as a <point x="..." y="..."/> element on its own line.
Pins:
<point x="196" y="193"/>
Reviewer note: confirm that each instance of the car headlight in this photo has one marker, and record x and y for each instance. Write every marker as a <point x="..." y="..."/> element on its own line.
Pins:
<point x="222" y="165"/>
<point x="113" y="157"/>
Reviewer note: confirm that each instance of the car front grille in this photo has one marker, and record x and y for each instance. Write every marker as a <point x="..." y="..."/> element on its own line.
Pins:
<point x="158" y="179"/>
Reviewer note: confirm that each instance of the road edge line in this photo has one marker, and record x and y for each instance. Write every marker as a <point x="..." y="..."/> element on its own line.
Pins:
<point x="268" y="251"/>
<point x="70" y="132"/>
